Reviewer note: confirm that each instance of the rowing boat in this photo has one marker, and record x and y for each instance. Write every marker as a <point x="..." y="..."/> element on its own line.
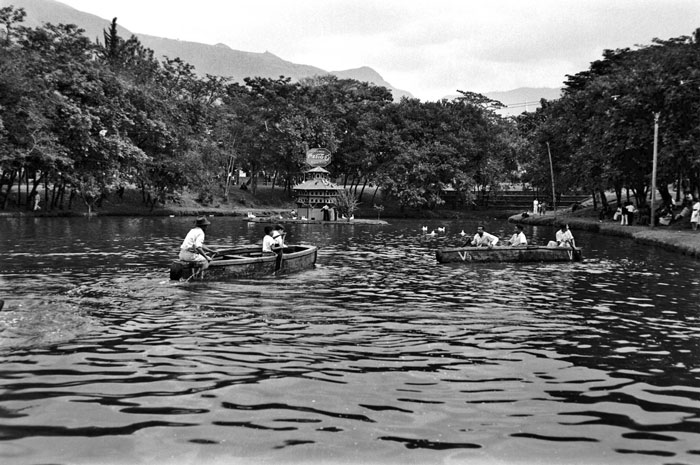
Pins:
<point x="509" y="254"/>
<point x="246" y="262"/>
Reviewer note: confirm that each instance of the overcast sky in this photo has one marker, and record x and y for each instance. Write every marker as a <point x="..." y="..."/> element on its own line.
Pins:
<point x="430" y="48"/>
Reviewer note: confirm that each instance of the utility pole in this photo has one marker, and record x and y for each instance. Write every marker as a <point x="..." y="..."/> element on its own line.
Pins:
<point x="551" y="171"/>
<point x="653" y="166"/>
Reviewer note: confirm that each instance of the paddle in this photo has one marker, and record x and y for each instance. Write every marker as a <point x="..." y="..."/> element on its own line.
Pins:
<point x="278" y="262"/>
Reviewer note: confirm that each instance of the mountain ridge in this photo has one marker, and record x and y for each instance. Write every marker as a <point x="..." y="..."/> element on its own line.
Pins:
<point x="219" y="59"/>
<point x="222" y="60"/>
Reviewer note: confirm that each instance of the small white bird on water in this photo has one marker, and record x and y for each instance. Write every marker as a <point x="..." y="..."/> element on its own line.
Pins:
<point x="462" y="233"/>
<point x="432" y="233"/>
<point x="425" y="229"/>
<point x="441" y="229"/>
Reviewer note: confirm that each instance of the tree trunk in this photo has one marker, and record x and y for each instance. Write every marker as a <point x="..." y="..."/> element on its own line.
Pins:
<point x="376" y="189"/>
<point x="61" y="194"/>
<point x="665" y="194"/>
<point x="54" y="195"/>
<point x="10" y="183"/>
<point x="18" y="200"/>
<point x="46" y="192"/>
<point x="363" y="189"/>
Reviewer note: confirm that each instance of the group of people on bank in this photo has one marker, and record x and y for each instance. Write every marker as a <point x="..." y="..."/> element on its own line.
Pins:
<point x="563" y="238"/>
<point x="664" y="215"/>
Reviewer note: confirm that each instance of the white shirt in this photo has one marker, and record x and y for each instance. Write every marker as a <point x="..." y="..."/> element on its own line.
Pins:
<point x="268" y="243"/>
<point x="564" y="237"/>
<point x="518" y="239"/>
<point x="278" y="237"/>
<point x="486" y="239"/>
<point x="193" y="240"/>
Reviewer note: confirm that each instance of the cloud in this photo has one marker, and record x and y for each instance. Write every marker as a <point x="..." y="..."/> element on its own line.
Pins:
<point x="430" y="48"/>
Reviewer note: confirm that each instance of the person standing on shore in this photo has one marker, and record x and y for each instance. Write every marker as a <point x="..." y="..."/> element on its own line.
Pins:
<point x="695" y="215"/>
<point x="630" y="211"/>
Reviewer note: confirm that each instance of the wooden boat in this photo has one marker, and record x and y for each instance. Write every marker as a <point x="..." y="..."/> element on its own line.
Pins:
<point x="530" y="253"/>
<point x="246" y="262"/>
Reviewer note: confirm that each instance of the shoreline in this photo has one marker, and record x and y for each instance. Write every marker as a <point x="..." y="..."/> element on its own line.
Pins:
<point x="684" y="241"/>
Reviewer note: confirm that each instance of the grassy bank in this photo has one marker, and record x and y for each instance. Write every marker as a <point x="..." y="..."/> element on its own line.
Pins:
<point x="266" y="201"/>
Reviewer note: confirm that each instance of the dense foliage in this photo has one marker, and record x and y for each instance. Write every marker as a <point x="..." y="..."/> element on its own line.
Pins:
<point x="601" y="131"/>
<point x="90" y="119"/>
<point x="83" y="120"/>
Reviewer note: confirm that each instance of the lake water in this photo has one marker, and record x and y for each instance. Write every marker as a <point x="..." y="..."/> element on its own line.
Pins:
<point x="378" y="355"/>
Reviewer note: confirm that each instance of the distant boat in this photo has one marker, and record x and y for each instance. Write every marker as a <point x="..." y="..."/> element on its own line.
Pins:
<point x="247" y="262"/>
<point x="530" y="253"/>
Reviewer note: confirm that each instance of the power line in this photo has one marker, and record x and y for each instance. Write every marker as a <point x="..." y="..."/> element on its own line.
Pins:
<point x="522" y="104"/>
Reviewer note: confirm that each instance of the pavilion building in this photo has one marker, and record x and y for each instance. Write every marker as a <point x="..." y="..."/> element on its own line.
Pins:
<point x="316" y="192"/>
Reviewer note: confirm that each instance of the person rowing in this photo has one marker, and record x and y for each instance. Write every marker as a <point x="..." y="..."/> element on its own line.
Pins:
<point x="193" y="248"/>
<point x="564" y="238"/>
<point x="518" y="238"/>
<point x="483" y="239"/>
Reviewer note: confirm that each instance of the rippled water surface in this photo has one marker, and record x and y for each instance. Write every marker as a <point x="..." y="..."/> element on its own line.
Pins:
<point x="378" y="355"/>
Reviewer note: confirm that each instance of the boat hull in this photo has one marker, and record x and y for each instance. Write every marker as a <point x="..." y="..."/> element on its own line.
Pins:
<point x="509" y="254"/>
<point x="247" y="262"/>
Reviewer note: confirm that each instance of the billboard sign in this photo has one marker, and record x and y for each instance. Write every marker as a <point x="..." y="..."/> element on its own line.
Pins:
<point x="318" y="157"/>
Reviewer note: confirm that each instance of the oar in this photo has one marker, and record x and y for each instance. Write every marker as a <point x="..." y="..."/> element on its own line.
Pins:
<point x="278" y="262"/>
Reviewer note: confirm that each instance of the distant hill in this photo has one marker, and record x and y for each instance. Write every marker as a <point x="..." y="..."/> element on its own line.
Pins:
<point x="218" y="60"/>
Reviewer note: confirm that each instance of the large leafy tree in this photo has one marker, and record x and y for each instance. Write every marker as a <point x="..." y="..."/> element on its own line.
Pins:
<point x="601" y="130"/>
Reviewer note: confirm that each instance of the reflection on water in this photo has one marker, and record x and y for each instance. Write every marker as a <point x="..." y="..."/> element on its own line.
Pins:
<point x="378" y="355"/>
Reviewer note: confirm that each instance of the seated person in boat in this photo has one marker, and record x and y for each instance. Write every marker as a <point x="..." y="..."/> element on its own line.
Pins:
<point x="518" y="238"/>
<point x="193" y="248"/>
<point x="564" y="238"/>
<point x="278" y="235"/>
<point x="269" y="245"/>
<point x="483" y="239"/>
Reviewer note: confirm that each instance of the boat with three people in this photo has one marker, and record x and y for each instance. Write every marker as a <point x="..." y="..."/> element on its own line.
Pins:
<point x="247" y="261"/>
<point x="530" y="253"/>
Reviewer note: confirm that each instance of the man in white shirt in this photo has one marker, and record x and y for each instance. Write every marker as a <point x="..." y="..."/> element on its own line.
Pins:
<point x="564" y="237"/>
<point x="278" y="235"/>
<point x="518" y="238"/>
<point x="269" y="244"/>
<point x="482" y="238"/>
<point x="192" y="248"/>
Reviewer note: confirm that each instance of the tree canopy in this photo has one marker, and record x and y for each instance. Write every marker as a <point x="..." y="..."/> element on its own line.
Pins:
<point x="88" y="119"/>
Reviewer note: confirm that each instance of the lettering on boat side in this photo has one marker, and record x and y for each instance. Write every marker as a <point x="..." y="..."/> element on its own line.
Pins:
<point x="464" y="256"/>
